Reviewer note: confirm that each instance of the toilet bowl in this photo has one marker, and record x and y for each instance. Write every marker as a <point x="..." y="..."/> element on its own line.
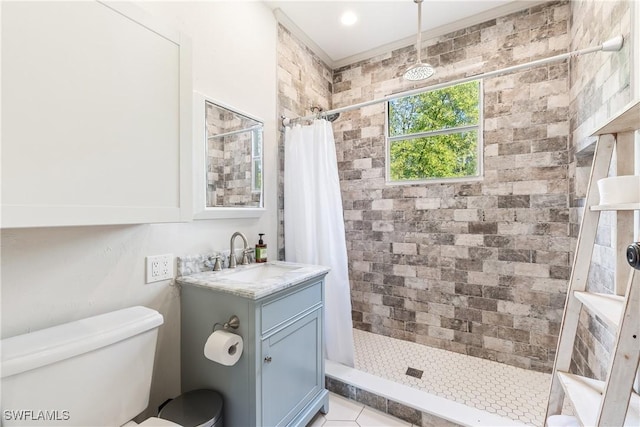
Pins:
<point x="95" y="371"/>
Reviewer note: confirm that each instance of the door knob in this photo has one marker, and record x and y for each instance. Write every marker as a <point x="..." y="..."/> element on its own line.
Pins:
<point x="267" y="359"/>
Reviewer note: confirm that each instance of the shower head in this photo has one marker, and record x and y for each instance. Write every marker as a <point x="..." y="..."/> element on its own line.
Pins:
<point x="420" y="70"/>
<point x="332" y="117"/>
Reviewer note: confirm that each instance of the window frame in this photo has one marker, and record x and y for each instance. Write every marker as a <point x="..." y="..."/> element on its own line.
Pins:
<point x="438" y="180"/>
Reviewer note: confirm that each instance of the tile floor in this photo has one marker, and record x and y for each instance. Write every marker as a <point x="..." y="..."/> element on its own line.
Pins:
<point x="500" y="389"/>
<point x="347" y="413"/>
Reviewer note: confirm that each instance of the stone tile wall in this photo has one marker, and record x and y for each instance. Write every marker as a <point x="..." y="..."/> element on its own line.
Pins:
<point x="304" y="81"/>
<point x="600" y="86"/>
<point x="475" y="267"/>
<point x="479" y="267"/>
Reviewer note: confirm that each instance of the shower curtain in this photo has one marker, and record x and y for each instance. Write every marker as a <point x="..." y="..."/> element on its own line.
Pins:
<point x="314" y="226"/>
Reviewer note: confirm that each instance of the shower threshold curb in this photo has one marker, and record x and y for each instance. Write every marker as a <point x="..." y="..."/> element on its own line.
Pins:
<point x="424" y="402"/>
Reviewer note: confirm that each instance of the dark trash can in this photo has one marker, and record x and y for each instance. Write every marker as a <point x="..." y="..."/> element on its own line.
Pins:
<point x="196" y="408"/>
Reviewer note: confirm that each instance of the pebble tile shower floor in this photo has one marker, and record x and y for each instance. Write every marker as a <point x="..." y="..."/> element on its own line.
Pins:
<point x="508" y="391"/>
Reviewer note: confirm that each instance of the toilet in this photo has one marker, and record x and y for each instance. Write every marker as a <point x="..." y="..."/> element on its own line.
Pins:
<point x="91" y="372"/>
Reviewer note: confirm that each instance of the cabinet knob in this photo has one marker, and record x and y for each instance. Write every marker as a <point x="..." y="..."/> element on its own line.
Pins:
<point x="267" y="359"/>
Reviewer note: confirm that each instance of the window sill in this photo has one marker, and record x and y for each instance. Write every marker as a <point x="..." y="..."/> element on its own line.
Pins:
<point x="461" y="180"/>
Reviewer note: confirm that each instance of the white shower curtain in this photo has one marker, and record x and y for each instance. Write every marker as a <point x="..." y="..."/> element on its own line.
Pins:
<point x="314" y="226"/>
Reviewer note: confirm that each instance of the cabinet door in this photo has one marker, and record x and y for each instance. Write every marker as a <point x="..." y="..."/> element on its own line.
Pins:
<point x="291" y="370"/>
<point x="96" y="114"/>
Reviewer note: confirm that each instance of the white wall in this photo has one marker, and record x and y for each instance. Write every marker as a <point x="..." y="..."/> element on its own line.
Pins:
<point x="54" y="275"/>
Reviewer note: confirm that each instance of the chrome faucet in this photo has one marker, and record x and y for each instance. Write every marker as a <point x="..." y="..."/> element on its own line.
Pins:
<point x="232" y="255"/>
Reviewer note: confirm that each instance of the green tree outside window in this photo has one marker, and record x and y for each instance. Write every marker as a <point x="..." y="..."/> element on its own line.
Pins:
<point x="435" y="134"/>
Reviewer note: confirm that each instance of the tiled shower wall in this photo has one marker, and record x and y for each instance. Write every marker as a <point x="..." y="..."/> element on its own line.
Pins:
<point x="600" y="87"/>
<point x="304" y="81"/>
<point x="479" y="268"/>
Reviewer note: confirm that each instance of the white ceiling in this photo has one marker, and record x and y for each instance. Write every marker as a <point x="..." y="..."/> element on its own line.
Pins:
<point x="382" y="24"/>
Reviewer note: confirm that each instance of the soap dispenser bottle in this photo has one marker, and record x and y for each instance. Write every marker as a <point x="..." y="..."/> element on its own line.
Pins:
<point x="261" y="250"/>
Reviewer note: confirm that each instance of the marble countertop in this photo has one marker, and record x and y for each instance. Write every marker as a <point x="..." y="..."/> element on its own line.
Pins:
<point x="223" y="281"/>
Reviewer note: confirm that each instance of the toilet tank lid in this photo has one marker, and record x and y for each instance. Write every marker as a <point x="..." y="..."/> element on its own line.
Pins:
<point x="35" y="349"/>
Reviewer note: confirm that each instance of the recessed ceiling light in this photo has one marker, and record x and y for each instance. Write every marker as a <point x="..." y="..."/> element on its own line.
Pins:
<point x="348" y="18"/>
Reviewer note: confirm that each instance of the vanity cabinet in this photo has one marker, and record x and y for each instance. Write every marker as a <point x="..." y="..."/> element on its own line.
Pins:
<point x="279" y="379"/>
<point x="291" y="355"/>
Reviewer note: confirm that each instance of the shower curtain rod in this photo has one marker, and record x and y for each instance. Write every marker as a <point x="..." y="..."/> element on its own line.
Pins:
<point x="611" y="45"/>
<point x="235" y="132"/>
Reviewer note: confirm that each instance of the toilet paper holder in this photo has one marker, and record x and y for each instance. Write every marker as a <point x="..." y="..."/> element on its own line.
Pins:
<point x="233" y="323"/>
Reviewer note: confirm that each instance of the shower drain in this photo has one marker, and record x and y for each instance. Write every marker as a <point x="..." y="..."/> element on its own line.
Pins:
<point x="413" y="372"/>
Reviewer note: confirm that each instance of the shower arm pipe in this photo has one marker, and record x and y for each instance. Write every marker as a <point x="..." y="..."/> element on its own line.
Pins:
<point x="419" y="38"/>
<point x="612" y="45"/>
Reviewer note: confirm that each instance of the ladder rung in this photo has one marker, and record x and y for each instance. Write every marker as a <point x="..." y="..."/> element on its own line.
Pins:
<point x="606" y="306"/>
<point x="585" y="395"/>
<point x="616" y="207"/>
<point x="625" y="121"/>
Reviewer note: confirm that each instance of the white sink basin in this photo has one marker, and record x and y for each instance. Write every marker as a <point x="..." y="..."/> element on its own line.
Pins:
<point x="259" y="272"/>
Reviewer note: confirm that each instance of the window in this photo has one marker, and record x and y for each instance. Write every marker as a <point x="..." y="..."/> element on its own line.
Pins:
<point x="435" y="135"/>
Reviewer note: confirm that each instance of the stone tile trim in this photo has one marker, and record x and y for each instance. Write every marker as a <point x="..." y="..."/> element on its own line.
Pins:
<point x="192" y="264"/>
<point x="385" y="405"/>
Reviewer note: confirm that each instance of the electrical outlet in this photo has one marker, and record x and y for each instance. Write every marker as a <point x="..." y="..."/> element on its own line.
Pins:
<point x="159" y="267"/>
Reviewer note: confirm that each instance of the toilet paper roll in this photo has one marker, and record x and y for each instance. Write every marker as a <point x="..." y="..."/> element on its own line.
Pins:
<point x="223" y="347"/>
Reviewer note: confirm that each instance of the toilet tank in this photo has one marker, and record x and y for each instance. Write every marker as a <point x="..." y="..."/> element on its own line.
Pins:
<point x="91" y="372"/>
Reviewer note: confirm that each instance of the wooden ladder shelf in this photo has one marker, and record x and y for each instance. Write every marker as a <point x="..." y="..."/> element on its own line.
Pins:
<point x="612" y="402"/>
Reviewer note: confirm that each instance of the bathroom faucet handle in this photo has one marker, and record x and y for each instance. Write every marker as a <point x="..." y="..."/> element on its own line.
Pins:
<point x="217" y="265"/>
<point x="245" y="258"/>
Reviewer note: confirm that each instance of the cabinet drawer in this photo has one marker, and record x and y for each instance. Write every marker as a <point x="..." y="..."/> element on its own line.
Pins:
<point x="279" y="311"/>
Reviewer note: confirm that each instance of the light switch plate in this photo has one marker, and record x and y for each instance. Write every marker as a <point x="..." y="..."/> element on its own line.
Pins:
<point x="159" y="267"/>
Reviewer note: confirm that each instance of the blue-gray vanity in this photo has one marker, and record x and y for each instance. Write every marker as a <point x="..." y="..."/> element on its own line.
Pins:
<point x="279" y="379"/>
